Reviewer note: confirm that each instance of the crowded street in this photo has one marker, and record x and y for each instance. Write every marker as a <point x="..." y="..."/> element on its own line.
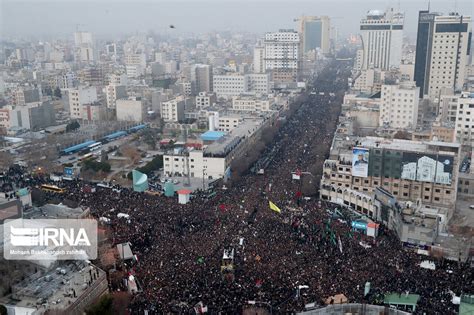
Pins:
<point x="179" y="248"/>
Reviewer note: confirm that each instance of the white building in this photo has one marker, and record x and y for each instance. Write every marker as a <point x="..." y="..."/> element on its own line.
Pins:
<point x="282" y="55"/>
<point x="399" y="105"/>
<point x="449" y="54"/>
<point x="228" y="123"/>
<point x="134" y="71"/>
<point x="250" y="104"/>
<point x="382" y="39"/>
<point x="259" y="83"/>
<point x="78" y="97"/>
<point x="135" y="65"/>
<point x="130" y="110"/>
<point x="113" y="93"/>
<point x="230" y="85"/>
<point x="464" y="128"/>
<point x="204" y="100"/>
<point x="68" y="80"/>
<point x="173" y="110"/>
<point x="217" y="154"/>
<point x="136" y="59"/>
<point x="118" y="79"/>
<point x="83" y="38"/>
<point x="259" y="59"/>
<point x="86" y="54"/>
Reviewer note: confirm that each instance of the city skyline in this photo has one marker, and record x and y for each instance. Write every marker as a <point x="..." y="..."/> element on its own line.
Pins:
<point x="108" y="18"/>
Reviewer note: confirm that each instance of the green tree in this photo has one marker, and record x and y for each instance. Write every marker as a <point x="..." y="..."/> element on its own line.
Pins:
<point x="73" y="126"/>
<point x="150" y="167"/>
<point x="102" y="307"/>
<point x="57" y="92"/>
<point x="96" y="166"/>
<point x="3" y="310"/>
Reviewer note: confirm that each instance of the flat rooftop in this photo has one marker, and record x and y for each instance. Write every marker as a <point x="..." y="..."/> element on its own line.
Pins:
<point x="226" y="143"/>
<point x="55" y="288"/>
<point x="54" y="212"/>
<point x="404" y="145"/>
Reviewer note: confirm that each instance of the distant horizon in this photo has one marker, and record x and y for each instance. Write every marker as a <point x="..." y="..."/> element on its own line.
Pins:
<point x="113" y="19"/>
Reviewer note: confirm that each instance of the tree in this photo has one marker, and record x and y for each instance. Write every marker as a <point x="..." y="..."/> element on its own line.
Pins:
<point x="149" y="138"/>
<point x="6" y="160"/>
<point x="131" y="153"/>
<point x="74" y="125"/>
<point x="96" y="166"/>
<point x="57" y="92"/>
<point x="102" y="307"/>
<point x="3" y="310"/>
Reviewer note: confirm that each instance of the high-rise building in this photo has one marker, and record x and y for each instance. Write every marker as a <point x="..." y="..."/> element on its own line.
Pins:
<point x="282" y="55"/>
<point x="201" y="78"/>
<point x="442" y="51"/>
<point x="83" y="38"/>
<point x="259" y="59"/>
<point x="382" y="36"/>
<point x="315" y="33"/>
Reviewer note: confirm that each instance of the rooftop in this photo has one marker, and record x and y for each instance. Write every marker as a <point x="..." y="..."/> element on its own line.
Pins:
<point x="228" y="142"/>
<point x="212" y="135"/>
<point x="51" y="211"/>
<point x="58" y="288"/>
<point x="402" y="299"/>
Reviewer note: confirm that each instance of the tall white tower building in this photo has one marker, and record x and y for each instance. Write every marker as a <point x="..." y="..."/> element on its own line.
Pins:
<point x="259" y="59"/>
<point x="282" y="55"/>
<point x="442" y="52"/>
<point x="382" y="36"/>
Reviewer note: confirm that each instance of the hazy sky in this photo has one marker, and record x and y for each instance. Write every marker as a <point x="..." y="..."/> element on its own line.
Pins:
<point x="113" y="18"/>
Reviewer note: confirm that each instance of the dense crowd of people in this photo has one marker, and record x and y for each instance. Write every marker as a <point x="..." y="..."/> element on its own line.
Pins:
<point x="180" y="247"/>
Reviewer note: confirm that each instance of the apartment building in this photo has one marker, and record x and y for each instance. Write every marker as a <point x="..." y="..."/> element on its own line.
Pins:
<point x="399" y="105"/>
<point x="282" y="55"/>
<point x="204" y="100"/>
<point x="409" y="170"/>
<point x="230" y="85"/>
<point x="220" y="149"/>
<point x="464" y="125"/>
<point x="173" y="110"/>
<point x="251" y="104"/>
<point x="382" y="39"/>
<point x="79" y="97"/>
<point x="441" y="52"/>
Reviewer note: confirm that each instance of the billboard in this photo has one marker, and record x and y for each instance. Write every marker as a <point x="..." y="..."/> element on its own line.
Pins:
<point x="360" y="162"/>
<point x="427" y="168"/>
